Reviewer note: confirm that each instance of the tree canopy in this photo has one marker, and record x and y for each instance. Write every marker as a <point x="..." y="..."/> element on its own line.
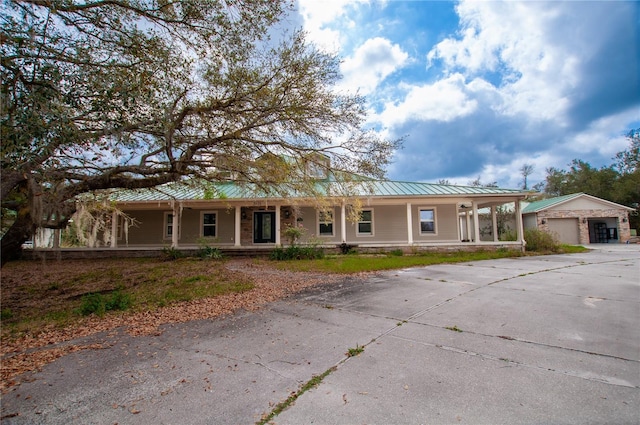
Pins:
<point x="107" y="94"/>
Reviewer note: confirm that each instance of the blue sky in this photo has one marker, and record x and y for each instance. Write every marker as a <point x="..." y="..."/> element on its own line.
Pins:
<point x="481" y="88"/>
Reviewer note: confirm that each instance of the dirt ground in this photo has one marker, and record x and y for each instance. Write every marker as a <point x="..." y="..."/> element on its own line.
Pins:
<point x="32" y="351"/>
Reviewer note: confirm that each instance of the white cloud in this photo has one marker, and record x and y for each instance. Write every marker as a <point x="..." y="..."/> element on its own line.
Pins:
<point x="371" y="63"/>
<point x="519" y="82"/>
<point x="598" y="136"/>
<point x="317" y="15"/>
<point x="445" y="100"/>
<point x="513" y="38"/>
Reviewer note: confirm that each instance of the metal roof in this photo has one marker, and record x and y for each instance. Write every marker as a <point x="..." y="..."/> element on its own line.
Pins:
<point x="190" y="190"/>
<point x="544" y="204"/>
<point x="548" y="203"/>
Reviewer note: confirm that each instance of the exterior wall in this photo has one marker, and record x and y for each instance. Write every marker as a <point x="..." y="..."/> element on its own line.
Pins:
<point x="191" y="232"/>
<point x="581" y="203"/>
<point x="584" y="216"/>
<point x="149" y="228"/>
<point x="308" y="218"/>
<point x="389" y="226"/>
<point x="446" y="223"/>
<point x="529" y="221"/>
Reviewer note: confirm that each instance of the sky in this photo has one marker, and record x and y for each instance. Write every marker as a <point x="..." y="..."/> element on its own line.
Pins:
<point x="479" y="89"/>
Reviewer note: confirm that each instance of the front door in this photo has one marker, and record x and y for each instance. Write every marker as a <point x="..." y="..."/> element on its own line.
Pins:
<point x="264" y="227"/>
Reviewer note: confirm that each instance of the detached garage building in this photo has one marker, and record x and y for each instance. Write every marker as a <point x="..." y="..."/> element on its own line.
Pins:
<point x="579" y="219"/>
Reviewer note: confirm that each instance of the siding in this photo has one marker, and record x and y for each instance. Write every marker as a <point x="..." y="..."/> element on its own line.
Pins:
<point x="446" y="223"/>
<point x="309" y="221"/>
<point x="191" y="226"/>
<point x="149" y="228"/>
<point x="581" y="204"/>
<point x="389" y="225"/>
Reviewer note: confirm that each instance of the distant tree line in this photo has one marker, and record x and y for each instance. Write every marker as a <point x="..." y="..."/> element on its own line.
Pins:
<point x="618" y="182"/>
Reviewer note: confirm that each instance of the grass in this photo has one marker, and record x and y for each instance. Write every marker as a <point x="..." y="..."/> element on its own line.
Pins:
<point x="280" y="407"/>
<point x="352" y="352"/>
<point x="35" y="295"/>
<point x="363" y="263"/>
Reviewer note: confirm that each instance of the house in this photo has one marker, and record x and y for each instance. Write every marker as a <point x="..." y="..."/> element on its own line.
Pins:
<point x="369" y="214"/>
<point x="579" y="219"/>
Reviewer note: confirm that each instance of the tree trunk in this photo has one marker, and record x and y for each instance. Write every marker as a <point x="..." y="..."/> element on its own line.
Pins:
<point x="18" y="233"/>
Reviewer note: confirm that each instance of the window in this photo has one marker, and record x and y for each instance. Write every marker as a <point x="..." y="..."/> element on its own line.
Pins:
<point x="365" y="223"/>
<point x="209" y="222"/>
<point x="168" y="225"/>
<point x="325" y="223"/>
<point x="427" y="221"/>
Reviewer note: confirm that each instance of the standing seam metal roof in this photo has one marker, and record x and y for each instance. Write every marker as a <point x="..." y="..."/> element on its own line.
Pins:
<point x="547" y="203"/>
<point x="381" y="188"/>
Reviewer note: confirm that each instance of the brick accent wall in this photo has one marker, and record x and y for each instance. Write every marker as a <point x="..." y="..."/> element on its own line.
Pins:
<point x="622" y="221"/>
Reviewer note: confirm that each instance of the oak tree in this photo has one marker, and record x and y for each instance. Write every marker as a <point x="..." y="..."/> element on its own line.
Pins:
<point x="102" y="94"/>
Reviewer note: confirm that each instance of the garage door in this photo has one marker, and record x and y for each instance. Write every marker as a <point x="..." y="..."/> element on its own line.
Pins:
<point x="565" y="229"/>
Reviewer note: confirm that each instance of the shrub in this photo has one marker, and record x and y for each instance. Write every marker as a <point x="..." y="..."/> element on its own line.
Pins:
<point x="119" y="301"/>
<point x="211" y="253"/>
<point x="297" y="253"/>
<point x="509" y="235"/>
<point x="98" y="304"/>
<point x="92" y="303"/>
<point x="539" y="241"/>
<point x="171" y="253"/>
<point x="345" y="248"/>
<point x="294" y="233"/>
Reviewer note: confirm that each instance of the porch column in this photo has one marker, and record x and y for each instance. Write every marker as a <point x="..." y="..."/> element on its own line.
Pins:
<point x="468" y="229"/>
<point x="476" y="224"/>
<point x="409" y="225"/>
<point x="177" y="219"/>
<point x="238" y="218"/>
<point x="519" y="228"/>
<point x="494" y="219"/>
<point x="277" y="224"/>
<point x="56" y="239"/>
<point x="343" y="223"/>
<point x="114" y="229"/>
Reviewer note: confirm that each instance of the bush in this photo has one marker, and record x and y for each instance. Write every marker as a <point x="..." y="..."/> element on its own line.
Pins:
<point x="297" y="253"/>
<point x="171" y="253"/>
<point x="211" y="253"/>
<point x="119" y="301"/>
<point x="294" y="234"/>
<point x="347" y="249"/>
<point x="92" y="303"/>
<point x="539" y="241"/>
<point x="509" y="235"/>
<point x="98" y="304"/>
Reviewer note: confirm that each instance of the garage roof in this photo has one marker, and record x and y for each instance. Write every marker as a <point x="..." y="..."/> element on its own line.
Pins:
<point x="544" y="204"/>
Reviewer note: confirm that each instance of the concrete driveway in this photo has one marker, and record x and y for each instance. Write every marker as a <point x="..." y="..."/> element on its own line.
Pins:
<point x="552" y="339"/>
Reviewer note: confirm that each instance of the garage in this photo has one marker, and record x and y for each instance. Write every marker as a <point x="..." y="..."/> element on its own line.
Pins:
<point x="566" y="230"/>
<point x="579" y="218"/>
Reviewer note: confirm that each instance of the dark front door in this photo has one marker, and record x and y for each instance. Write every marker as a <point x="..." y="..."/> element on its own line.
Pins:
<point x="264" y="227"/>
